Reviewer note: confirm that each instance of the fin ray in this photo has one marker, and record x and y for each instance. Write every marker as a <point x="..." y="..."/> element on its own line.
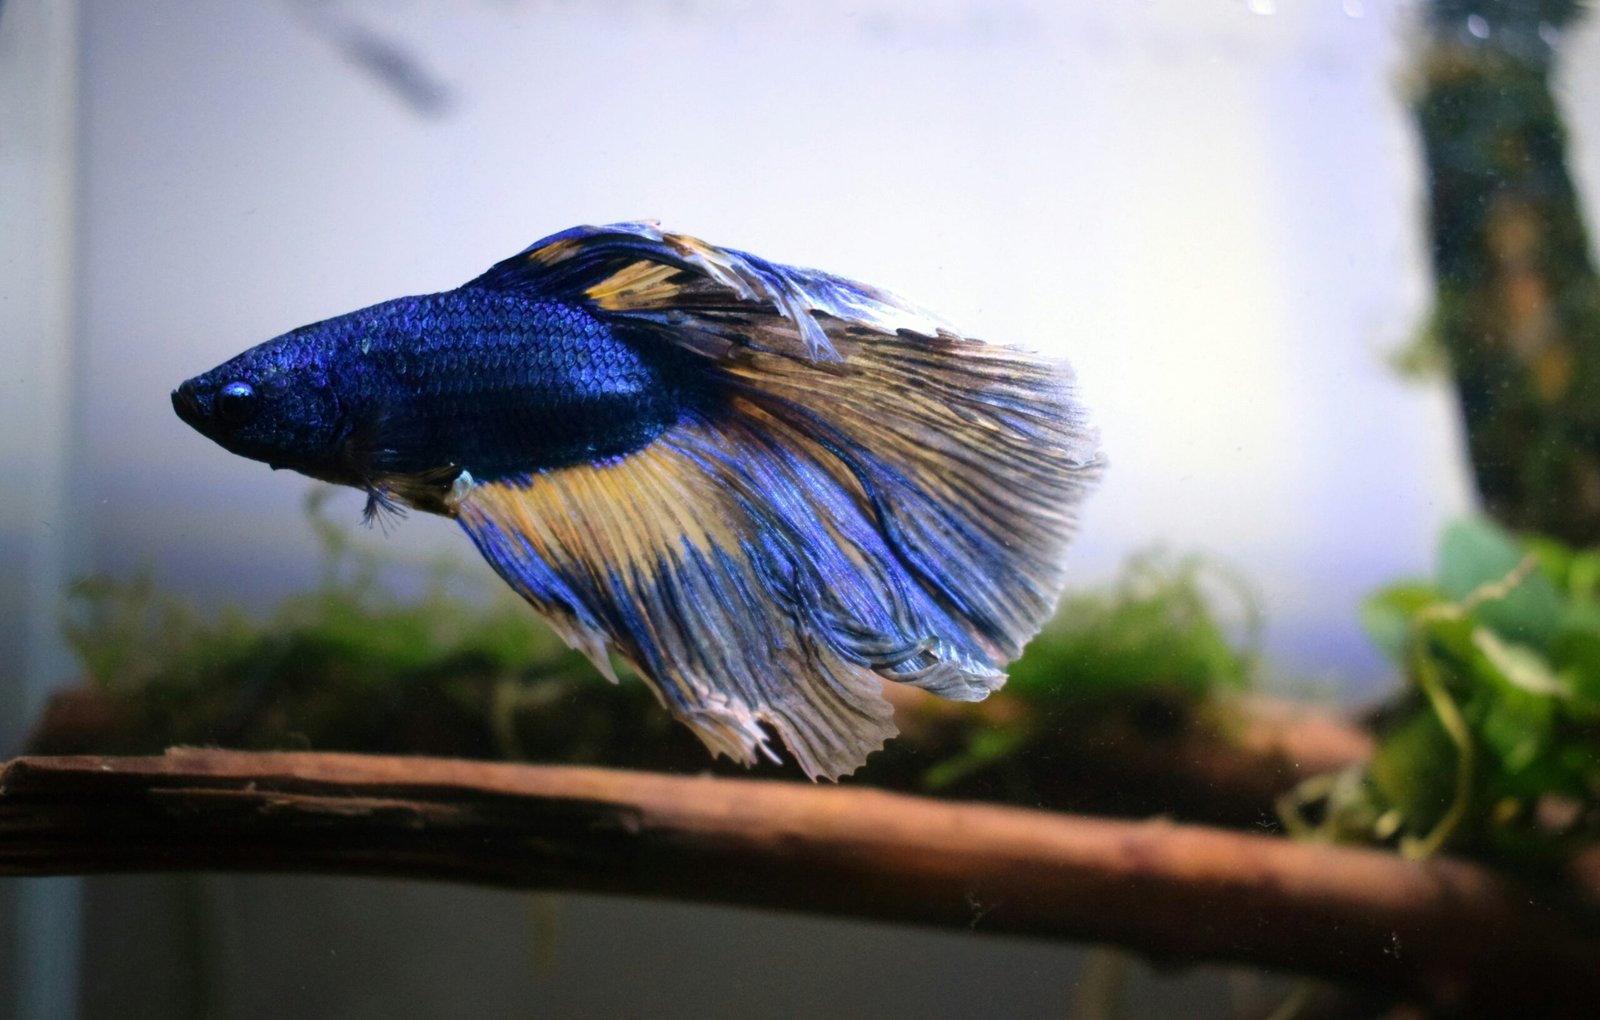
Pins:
<point x="872" y="497"/>
<point x="676" y="586"/>
<point x="701" y="293"/>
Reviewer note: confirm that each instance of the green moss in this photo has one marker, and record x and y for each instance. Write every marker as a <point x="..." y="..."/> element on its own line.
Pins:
<point x="333" y="668"/>
<point x="351" y="666"/>
<point x="1157" y="624"/>
<point x="1153" y="641"/>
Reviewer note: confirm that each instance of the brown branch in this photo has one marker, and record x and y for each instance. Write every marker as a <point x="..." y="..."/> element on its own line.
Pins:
<point x="1112" y="756"/>
<point x="1446" y="932"/>
<point x="1142" y="753"/>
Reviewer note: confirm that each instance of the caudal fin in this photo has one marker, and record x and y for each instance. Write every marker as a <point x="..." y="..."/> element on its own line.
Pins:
<point x="874" y="498"/>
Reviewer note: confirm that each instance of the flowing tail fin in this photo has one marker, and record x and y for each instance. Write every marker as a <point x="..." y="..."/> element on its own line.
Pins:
<point x="874" y="497"/>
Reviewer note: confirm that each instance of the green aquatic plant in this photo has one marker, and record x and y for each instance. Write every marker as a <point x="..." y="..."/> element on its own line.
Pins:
<point x="130" y="634"/>
<point x="1160" y="622"/>
<point x="332" y="667"/>
<point x="1495" y="747"/>
<point x="1156" y="636"/>
<point x="351" y="665"/>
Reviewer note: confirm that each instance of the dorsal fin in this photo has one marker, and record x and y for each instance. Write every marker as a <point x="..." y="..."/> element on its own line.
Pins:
<point x="703" y="296"/>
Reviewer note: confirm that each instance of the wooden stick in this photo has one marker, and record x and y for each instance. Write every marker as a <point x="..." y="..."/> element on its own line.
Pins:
<point x="1444" y="932"/>
<point x="1109" y="757"/>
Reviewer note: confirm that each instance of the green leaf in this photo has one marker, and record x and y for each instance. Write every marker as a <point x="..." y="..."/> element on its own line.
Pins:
<point x="1473" y="552"/>
<point x="1555" y="557"/>
<point x="1581" y="616"/>
<point x="1576" y="654"/>
<point x="1582" y="760"/>
<point x="1518" y="665"/>
<point x="1516" y="729"/>
<point x="1583" y="575"/>
<point x="1414" y="770"/>
<point x="1476" y="552"/>
<point x="1387" y="616"/>
<point x="1449" y="641"/>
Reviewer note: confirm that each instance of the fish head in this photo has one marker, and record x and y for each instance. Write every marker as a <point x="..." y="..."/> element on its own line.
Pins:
<point x="277" y="402"/>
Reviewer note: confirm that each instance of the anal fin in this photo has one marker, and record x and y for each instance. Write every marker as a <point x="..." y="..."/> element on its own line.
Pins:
<point x="670" y="557"/>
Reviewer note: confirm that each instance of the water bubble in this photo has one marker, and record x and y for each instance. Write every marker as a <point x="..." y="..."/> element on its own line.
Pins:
<point x="1549" y="33"/>
<point x="1478" y="25"/>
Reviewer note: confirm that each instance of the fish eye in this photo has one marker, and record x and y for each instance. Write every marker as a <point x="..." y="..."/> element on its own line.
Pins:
<point x="236" y="403"/>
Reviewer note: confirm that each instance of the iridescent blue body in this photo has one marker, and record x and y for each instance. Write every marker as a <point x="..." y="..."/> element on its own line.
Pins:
<point x="499" y="384"/>
<point x="768" y="489"/>
<point x="495" y="383"/>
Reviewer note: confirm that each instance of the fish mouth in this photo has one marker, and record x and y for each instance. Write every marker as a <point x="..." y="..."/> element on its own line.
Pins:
<point x="186" y="402"/>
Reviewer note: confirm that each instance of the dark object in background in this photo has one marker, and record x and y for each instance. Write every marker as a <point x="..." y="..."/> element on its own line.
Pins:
<point x="1518" y="305"/>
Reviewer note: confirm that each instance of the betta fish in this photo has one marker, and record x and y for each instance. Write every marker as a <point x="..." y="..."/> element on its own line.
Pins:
<point x="768" y="489"/>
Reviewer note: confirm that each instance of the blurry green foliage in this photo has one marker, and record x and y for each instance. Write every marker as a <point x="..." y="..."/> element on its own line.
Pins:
<point x="350" y="665"/>
<point x="335" y="666"/>
<point x="130" y="634"/>
<point x="1156" y="630"/>
<point x="1496" y="746"/>
<point x="1158" y="623"/>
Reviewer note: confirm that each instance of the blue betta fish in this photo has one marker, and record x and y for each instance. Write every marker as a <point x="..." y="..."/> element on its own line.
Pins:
<point x="768" y="489"/>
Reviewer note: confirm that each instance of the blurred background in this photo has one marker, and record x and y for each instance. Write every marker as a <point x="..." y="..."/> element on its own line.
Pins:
<point x="1214" y="207"/>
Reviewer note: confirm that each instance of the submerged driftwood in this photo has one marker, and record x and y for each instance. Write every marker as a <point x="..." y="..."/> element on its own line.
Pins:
<point x="1517" y="305"/>
<point x="1444" y="932"/>
<point x="1150" y="752"/>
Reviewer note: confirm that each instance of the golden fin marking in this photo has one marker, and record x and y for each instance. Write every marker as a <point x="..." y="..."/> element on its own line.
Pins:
<point x="555" y="251"/>
<point x="654" y="548"/>
<point x="637" y="286"/>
